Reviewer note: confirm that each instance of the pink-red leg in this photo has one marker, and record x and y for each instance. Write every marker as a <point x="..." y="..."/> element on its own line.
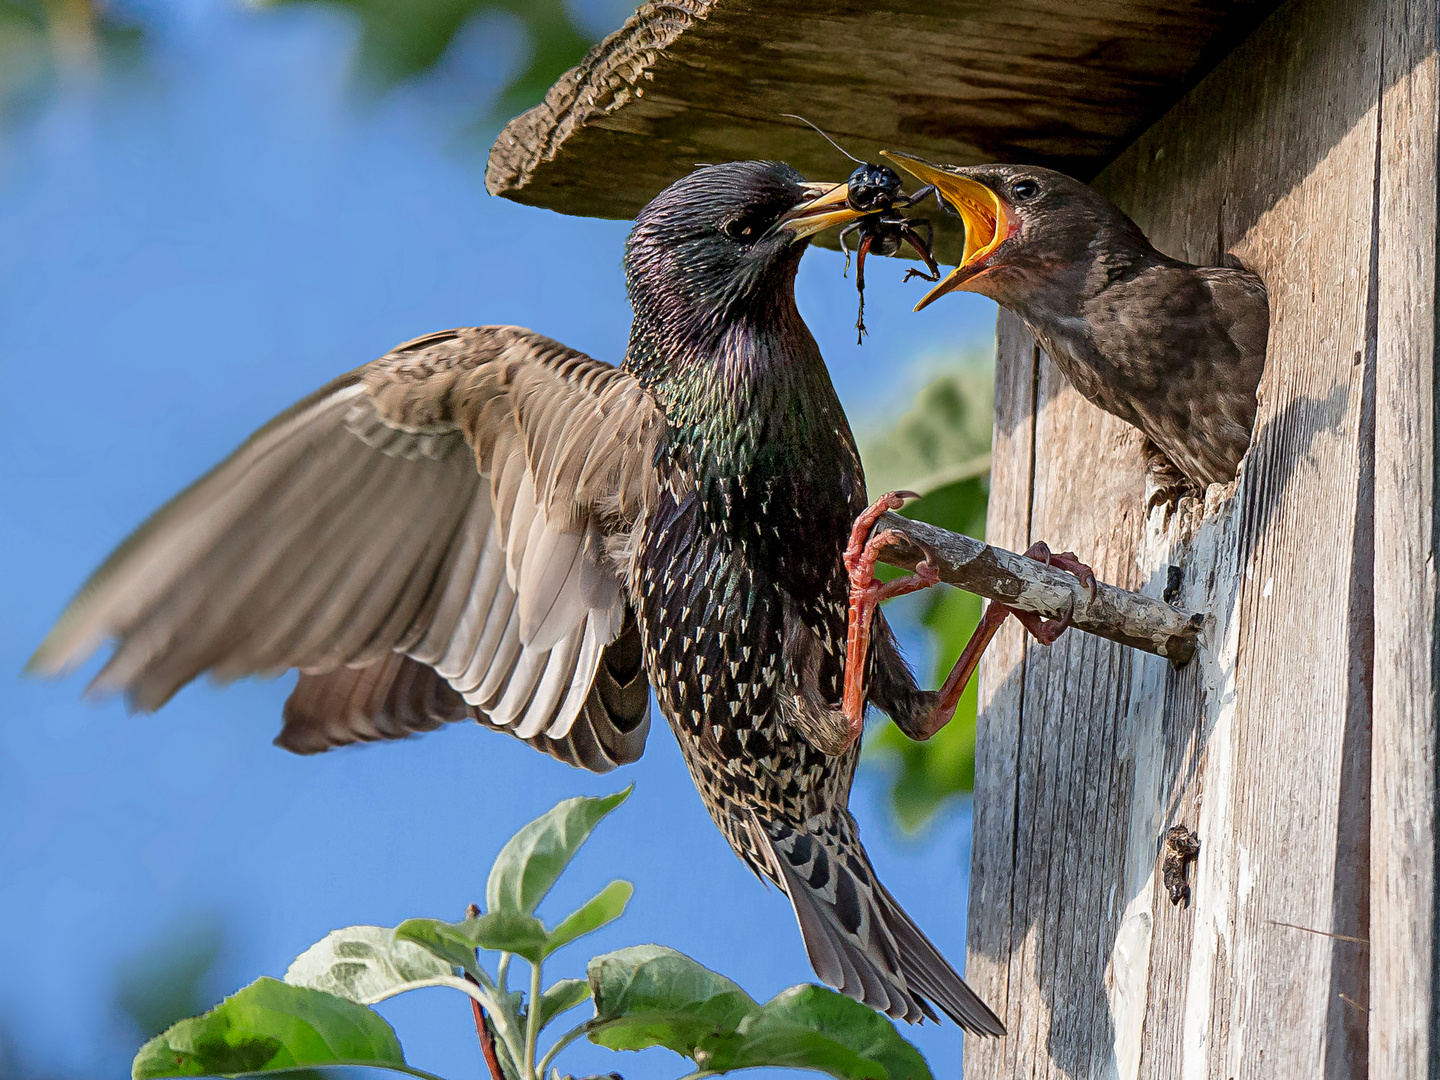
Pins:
<point x="866" y="594"/>
<point x="1045" y="631"/>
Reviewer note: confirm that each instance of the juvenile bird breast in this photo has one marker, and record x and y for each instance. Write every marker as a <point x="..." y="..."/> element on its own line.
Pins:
<point x="1173" y="349"/>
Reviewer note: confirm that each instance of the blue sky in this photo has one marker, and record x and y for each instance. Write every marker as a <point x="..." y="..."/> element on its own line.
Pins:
<point x="184" y="250"/>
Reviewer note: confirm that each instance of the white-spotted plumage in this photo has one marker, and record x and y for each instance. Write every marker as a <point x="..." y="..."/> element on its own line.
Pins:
<point x="486" y="524"/>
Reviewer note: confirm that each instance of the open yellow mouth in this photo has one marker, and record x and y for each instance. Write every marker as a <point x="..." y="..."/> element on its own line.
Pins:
<point x="988" y="221"/>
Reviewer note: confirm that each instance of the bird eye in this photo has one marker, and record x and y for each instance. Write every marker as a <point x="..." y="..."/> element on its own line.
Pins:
<point x="745" y="230"/>
<point x="1024" y="189"/>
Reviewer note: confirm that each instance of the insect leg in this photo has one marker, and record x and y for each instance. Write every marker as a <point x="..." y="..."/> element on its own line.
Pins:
<point x="864" y="249"/>
<point x="922" y="248"/>
<point x="917" y="197"/>
<point x="846" y="231"/>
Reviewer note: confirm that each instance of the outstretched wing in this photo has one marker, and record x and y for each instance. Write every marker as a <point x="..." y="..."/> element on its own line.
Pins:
<point x="425" y="539"/>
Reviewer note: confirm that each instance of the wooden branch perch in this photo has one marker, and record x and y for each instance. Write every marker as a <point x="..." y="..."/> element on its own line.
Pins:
<point x="1015" y="581"/>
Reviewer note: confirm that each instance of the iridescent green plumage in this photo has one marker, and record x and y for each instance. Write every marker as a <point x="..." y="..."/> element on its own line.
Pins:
<point x="485" y="524"/>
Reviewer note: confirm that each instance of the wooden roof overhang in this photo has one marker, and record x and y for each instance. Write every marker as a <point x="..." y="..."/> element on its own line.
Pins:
<point x="1062" y="83"/>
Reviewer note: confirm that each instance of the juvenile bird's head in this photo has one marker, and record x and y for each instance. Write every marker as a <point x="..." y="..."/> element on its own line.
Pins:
<point x="1032" y="235"/>
<point x="719" y="248"/>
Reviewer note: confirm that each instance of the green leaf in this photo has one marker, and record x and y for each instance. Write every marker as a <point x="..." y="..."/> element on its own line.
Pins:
<point x="959" y="507"/>
<point x="562" y="997"/>
<point x="529" y="864"/>
<point x="811" y="1027"/>
<point x="269" y="1026"/>
<point x="605" y="906"/>
<point x="926" y="775"/>
<point x="499" y="931"/>
<point x="648" y="995"/>
<point x="652" y="996"/>
<point x="166" y="980"/>
<point x="943" y="438"/>
<point x="441" y="939"/>
<point x="366" y="964"/>
<point x="940" y="448"/>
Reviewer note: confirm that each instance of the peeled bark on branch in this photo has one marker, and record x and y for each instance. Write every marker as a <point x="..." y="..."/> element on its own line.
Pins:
<point x="1129" y="618"/>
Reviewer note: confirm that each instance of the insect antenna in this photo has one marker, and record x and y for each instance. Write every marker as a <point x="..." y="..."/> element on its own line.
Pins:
<point x="827" y="138"/>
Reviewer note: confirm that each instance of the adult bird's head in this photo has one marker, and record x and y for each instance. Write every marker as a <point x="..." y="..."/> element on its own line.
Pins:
<point x="718" y="249"/>
<point x="1031" y="234"/>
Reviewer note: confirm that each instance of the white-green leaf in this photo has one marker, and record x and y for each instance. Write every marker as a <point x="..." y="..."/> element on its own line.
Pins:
<point x="604" y="907"/>
<point x="269" y="1026"/>
<point x="367" y="964"/>
<point x="529" y="864"/>
<point x="562" y="997"/>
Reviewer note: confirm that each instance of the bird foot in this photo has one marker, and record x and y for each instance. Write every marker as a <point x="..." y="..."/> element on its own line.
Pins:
<point x="1045" y="631"/>
<point x="1165" y="485"/>
<point x="1048" y="631"/>
<point x="866" y="594"/>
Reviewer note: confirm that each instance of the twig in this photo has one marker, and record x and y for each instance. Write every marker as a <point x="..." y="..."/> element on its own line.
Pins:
<point x="1129" y="618"/>
<point x="487" y="1038"/>
<point x="532" y="1021"/>
<point x="482" y="1029"/>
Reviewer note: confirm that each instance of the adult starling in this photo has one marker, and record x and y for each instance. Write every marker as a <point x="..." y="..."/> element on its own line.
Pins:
<point x="486" y="524"/>
<point x="1174" y="349"/>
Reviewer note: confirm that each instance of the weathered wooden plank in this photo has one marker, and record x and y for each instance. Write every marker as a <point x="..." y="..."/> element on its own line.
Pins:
<point x="1063" y="82"/>
<point x="1072" y="772"/>
<point x="1292" y="821"/>
<point x="1001" y="684"/>
<point x="1404" y="996"/>
<point x="1119" y="615"/>
<point x="1262" y="746"/>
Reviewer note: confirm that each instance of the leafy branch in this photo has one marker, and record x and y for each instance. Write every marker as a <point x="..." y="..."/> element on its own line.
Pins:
<point x="643" y="996"/>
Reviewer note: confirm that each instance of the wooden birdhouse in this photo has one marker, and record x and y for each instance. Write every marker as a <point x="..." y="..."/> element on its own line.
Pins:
<point x="1299" y="745"/>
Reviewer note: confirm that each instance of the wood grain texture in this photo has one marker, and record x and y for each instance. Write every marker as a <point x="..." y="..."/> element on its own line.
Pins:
<point x="990" y="940"/>
<point x="1073" y="774"/>
<point x="1403" y="998"/>
<point x="1065" y="83"/>
<point x="1262" y="746"/>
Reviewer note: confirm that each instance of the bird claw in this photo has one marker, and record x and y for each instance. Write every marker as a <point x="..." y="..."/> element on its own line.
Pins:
<point x="1045" y="631"/>
<point x="1048" y="631"/>
<point x="866" y="594"/>
<point x="860" y="531"/>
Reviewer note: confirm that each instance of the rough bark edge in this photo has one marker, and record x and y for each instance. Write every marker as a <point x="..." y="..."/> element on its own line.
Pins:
<point x="608" y="78"/>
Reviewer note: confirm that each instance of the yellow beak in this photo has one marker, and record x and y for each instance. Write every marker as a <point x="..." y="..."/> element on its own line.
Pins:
<point x="987" y="217"/>
<point x="827" y="206"/>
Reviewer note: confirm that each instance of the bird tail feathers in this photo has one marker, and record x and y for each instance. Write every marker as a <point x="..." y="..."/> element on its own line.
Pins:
<point x="860" y="940"/>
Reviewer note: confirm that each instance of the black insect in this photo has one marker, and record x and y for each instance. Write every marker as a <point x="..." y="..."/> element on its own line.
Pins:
<point x="876" y="191"/>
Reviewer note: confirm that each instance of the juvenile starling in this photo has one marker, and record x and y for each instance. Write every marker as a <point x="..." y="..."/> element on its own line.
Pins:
<point x="1175" y="350"/>
<point x="486" y="524"/>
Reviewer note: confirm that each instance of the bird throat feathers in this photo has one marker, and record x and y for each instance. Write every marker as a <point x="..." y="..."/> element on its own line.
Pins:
<point x="749" y="402"/>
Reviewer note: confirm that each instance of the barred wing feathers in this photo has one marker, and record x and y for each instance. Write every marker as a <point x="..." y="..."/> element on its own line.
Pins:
<point x="425" y="539"/>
